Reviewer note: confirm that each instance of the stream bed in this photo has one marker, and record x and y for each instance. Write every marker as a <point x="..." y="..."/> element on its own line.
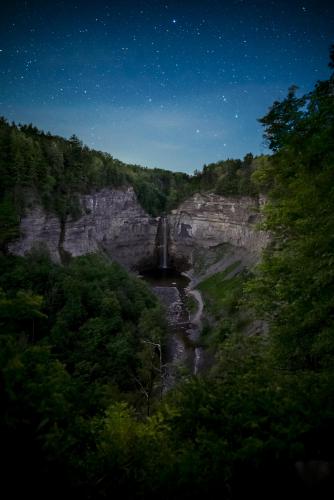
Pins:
<point x="182" y="354"/>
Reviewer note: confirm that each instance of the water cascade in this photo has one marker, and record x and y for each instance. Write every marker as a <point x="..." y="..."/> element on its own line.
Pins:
<point x="181" y="346"/>
<point x="164" y="243"/>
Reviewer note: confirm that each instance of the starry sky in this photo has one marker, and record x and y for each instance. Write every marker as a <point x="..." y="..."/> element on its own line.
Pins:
<point x="170" y="84"/>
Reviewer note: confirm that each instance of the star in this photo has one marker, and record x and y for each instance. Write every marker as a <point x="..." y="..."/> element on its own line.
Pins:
<point x="141" y="53"/>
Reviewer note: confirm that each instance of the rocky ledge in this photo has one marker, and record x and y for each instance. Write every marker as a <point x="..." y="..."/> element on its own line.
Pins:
<point x="211" y="232"/>
<point x="113" y="221"/>
<point x="202" y="230"/>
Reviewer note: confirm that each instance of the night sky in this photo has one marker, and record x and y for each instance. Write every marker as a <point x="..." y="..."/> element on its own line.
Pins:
<point x="171" y="84"/>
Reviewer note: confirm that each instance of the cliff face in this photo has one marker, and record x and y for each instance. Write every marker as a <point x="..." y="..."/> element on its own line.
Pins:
<point x="116" y="223"/>
<point x="211" y="230"/>
<point x="38" y="227"/>
<point x="202" y="230"/>
<point x="112" y="221"/>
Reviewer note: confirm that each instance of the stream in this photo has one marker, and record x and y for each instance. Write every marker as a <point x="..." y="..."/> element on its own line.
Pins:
<point x="182" y="353"/>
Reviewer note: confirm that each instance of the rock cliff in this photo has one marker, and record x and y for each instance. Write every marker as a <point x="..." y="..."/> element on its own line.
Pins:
<point x="203" y="230"/>
<point x="113" y="221"/>
<point x="210" y="232"/>
<point x="38" y="228"/>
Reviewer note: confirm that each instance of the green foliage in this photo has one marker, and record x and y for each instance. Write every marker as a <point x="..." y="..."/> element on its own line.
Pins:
<point x="222" y="292"/>
<point x="226" y="307"/>
<point x="191" y="303"/>
<point x="251" y="420"/>
<point x="91" y="313"/>
<point x="230" y="177"/>
<point x="295" y="283"/>
<point x="9" y="222"/>
<point x="159" y="190"/>
<point x="71" y="344"/>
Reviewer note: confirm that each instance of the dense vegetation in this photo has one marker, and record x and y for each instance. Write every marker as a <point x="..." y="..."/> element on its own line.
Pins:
<point x="230" y="177"/>
<point x="75" y="342"/>
<point x="79" y="373"/>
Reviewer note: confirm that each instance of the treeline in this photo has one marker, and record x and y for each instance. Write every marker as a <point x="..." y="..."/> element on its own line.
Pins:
<point x="40" y="168"/>
<point x="231" y="177"/>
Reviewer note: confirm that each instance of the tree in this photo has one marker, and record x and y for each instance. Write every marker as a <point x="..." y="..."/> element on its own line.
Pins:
<point x="296" y="279"/>
<point x="9" y="222"/>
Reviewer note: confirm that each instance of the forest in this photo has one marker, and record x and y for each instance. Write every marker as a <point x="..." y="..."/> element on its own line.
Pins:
<point x="82" y="409"/>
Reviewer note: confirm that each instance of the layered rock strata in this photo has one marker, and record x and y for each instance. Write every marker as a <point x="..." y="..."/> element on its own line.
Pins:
<point x="204" y="228"/>
<point x="113" y="221"/>
<point x="210" y="227"/>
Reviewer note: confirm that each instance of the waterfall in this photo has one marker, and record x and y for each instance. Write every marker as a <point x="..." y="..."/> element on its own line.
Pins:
<point x="164" y="243"/>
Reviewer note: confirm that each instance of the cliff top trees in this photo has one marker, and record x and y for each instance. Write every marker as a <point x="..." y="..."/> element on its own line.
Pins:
<point x="52" y="171"/>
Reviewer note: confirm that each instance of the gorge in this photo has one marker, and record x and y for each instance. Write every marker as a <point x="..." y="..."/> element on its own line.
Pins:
<point x="206" y="226"/>
<point x="204" y="235"/>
